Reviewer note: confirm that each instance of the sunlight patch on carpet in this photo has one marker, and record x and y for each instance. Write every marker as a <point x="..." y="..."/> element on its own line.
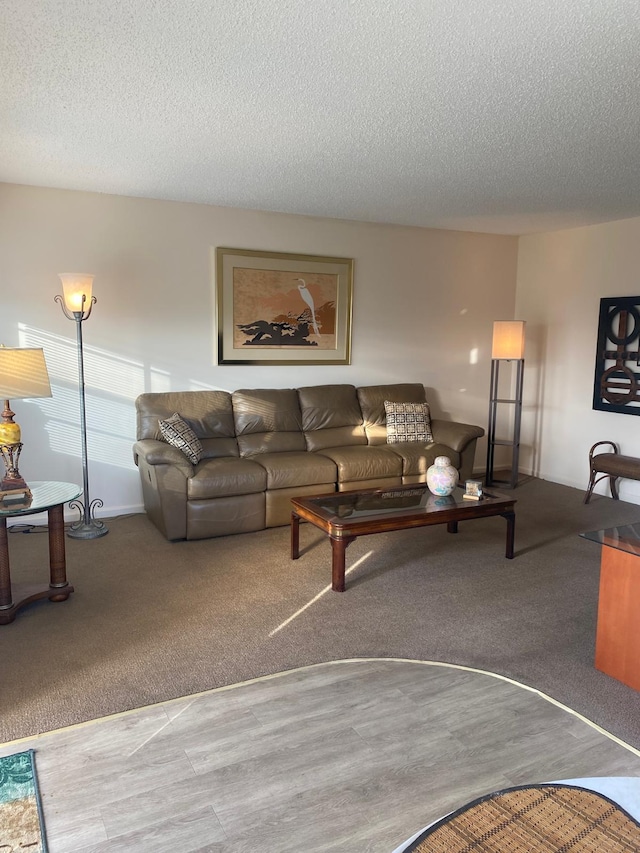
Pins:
<point x="318" y="596"/>
<point x="21" y="823"/>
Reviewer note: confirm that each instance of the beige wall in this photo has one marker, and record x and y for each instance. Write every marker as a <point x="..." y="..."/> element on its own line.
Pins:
<point x="424" y="304"/>
<point x="561" y="278"/>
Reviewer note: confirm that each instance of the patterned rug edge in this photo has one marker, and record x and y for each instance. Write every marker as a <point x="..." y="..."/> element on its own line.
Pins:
<point x="21" y="816"/>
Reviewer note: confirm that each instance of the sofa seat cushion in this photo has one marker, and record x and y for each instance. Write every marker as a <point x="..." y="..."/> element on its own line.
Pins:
<point x="224" y="477"/>
<point x="364" y="462"/>
<point x="287" y="470"/>
<point x="417" y="457"/>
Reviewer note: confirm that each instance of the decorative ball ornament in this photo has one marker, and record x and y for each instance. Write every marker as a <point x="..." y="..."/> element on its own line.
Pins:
<point x="442" y="477"/>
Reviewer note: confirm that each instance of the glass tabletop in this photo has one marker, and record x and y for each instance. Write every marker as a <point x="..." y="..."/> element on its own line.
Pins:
<point x="44" y="495"/>
<point x="403" y="499"/>
<point x="626" y="537"/>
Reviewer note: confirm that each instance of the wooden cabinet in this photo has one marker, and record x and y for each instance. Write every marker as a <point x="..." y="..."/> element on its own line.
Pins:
<point x="618" y="632"/>
<point x="618" y="628"/>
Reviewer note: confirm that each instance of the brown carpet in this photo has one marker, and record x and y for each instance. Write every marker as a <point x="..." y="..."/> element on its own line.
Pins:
<point x="152" y="620"/>
<point x="535" y="819"/>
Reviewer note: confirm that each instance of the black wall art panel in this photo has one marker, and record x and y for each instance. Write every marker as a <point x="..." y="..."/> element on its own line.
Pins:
<point x="617" y="376"/>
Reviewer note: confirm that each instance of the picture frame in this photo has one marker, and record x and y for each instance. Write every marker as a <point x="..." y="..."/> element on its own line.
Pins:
<point x="473" y="487"/>
<point x="472" y="490"/>
<point x="616" y="386"/>
<point x="282" y="308"/>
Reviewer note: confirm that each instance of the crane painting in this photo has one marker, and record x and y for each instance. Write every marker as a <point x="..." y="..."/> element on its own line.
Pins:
<point x="280" y="308"/>
<point x="283" y="310"/>
<point x="308" y="298"/>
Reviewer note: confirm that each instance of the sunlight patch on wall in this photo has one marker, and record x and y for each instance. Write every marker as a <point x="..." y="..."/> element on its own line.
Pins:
<point x="105" y="448"/>
<point x="204" y="386"/>
<point x="159" y="381"/>
<point x="112" y="383"/>
<point x="102" y="414"/>
<point x="103" y="371"/>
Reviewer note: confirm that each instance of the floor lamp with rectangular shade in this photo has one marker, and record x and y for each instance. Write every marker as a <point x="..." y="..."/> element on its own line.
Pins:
<point x="508" y="345"/>
<point x="76" y="303"/>
<point x="23" y="376"/>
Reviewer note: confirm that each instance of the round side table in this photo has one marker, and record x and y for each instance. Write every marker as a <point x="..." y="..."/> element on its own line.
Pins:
<point x="49" y="497"/>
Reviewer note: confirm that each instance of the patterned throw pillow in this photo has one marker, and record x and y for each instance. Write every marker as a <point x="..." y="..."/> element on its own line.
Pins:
<point x="176" y="432"/>
<point x="408" y="422"/>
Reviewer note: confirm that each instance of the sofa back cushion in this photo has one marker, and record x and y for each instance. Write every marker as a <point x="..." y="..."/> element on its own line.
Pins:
<point x="267" y="421"/>
<point x="331" y="416"/>
<point x="208" y="413"/>
<point x="372" y="399"/>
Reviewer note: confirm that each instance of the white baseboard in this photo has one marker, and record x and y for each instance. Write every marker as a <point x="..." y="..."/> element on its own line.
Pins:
<point x="70" y="515"/>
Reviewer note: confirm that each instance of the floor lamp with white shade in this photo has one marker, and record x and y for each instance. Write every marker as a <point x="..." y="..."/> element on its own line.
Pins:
<point x="76" y="303"/>
<point x="507" y="345"/>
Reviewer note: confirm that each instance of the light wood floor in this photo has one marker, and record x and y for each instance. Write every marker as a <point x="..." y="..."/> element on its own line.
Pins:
<point x="350" y="756"/>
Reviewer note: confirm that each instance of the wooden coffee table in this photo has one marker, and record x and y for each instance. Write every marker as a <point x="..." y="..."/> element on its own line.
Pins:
<point x="347" y="515"/>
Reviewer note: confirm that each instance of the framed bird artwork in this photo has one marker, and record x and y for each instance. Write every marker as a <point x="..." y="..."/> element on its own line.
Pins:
<point x="282" y="308"/>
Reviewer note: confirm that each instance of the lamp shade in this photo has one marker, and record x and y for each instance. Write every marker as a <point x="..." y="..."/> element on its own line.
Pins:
<point x="75" y="285"/>
<point x="23" y="373"/>
<point x="508" y="339"/>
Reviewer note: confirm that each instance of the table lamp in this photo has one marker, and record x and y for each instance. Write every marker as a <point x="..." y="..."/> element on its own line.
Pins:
<point x="23" y="375"/>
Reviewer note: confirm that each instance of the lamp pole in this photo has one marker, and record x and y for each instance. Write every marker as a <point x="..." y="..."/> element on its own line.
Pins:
<point x="77" y="295"/>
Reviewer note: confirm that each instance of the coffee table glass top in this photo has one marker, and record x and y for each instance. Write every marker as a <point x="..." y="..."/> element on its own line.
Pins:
<point x="402" y="500"/>
<point x="626" y="537"/>
<point x="45" y="494"/>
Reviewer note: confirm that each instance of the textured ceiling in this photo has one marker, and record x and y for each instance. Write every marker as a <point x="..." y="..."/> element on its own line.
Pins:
<point x="507" y="116"/>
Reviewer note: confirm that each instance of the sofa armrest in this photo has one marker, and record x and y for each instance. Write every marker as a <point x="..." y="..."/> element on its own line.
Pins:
<point x="455" y="435"/>
<point x="164" y="475"/>
<point x="154" y="452"/>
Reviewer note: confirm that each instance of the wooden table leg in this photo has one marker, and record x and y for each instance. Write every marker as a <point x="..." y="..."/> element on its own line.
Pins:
<point x="295" y="536"/>
<point x="17" y="595"/>
<point x="5" y="576"/>
<point x="511" y="533"/>
<point x="452" y="527"/>
<point x="338" y="548"/>
<point x="57" y="554"/>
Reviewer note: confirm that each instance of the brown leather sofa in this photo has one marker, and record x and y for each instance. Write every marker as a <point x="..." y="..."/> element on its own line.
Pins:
<point x="261" y="447"/>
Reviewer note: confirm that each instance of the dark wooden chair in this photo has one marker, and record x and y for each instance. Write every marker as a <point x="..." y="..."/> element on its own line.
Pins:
<point x="611" y="464"/>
